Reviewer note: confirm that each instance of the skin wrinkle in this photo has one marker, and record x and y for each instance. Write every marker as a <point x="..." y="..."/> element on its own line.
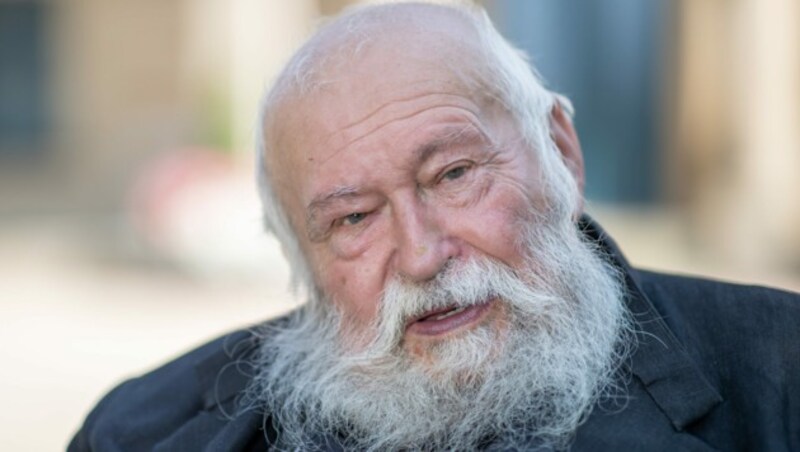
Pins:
<point x="454" y="136"/>
<point x="460" y="135"/>
<point x="353" y="141"/>
<point x="337" y="149"/>
<point x="320" y="204"/>
<point x="404" y="100"/>
<point x="480" y="188"/>
<point x="453" y="83"/>
<point x="513" y="180"/>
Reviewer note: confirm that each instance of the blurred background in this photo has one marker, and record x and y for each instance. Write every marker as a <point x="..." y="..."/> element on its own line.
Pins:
<point x="129" y="222"/>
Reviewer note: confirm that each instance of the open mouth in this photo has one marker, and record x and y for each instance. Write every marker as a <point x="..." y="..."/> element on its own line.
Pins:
<point x="444" y="320"/>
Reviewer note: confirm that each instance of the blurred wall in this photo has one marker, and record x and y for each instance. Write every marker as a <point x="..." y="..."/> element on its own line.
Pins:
<point x="609" y="58"/>
<point x="689" y="115"/>
<point x="130" y="80"/>
<point x="735" y="129"/>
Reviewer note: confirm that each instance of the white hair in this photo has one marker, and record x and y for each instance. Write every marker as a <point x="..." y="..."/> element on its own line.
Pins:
<point x="503" y="73"/>
<point x="520" y="384"/>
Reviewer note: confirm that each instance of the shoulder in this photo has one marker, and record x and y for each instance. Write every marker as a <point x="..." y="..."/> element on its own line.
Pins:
<point x="744" y="338"/>
<point x="728" y="311"/>
<point x="140" y="412"/>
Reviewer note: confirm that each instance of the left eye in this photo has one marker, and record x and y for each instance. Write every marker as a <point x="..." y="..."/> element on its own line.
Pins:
<point x="354" y="218"/>
<point x="455" y="173"/>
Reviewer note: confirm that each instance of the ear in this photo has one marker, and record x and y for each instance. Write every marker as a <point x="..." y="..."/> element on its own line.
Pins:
<point x="566" y="140"/>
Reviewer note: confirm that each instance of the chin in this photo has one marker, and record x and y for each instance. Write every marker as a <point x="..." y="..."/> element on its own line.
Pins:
<point x="464" y="354"/>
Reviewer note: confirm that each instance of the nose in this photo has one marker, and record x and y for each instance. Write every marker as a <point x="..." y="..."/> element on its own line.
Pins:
<point x="423" y="244"/>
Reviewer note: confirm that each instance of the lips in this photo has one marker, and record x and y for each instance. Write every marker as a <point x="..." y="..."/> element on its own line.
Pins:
<point x="444" y="320"/>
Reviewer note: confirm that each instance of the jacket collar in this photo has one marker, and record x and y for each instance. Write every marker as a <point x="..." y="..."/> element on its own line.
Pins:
<point x="222" y="377"/>
<point x="673" y="380"/>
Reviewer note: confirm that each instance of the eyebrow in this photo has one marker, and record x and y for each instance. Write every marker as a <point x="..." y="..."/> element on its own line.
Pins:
<point x="322" y="202"/>
<point x="453" y="136"/>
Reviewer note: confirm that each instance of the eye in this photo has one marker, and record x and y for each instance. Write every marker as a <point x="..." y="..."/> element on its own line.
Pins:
<point x="353" y="218"/>
<point x="455" y="173"/>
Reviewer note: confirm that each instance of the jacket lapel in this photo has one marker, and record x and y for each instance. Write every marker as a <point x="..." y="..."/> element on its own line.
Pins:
<point x="667" y="391"/>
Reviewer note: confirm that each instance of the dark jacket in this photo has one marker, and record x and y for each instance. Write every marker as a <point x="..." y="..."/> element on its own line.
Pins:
<point x="717" y="367"/>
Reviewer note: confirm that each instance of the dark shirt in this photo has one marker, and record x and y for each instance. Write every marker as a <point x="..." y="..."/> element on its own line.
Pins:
<point x="716" y="367"/>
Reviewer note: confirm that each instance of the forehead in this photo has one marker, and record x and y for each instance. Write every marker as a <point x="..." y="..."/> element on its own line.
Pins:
<point x="367" y="105"/>
<point x="341" y="119"/>
<point x="361" y="90"/>
<point x="358" y="64"/>
<point x="386" y="74"/>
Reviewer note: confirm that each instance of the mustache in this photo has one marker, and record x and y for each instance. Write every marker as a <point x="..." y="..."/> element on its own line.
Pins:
<point x="455" y="286"/>
<point x="459" y="285"/>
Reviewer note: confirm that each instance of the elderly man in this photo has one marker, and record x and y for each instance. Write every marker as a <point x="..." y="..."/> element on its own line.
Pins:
<point x="427" y="190"/>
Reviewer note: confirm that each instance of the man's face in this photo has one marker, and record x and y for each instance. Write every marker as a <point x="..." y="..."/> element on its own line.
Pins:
<point x="394" y="177"/>
<point x="466" y="298"/>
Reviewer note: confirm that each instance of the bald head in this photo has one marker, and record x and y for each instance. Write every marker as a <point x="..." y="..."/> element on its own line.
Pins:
<point x="355" y="65"/>
<point x="354" y="42"/>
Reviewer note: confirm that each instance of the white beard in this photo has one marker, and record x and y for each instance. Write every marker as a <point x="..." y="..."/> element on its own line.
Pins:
<point x="529" y="383"/>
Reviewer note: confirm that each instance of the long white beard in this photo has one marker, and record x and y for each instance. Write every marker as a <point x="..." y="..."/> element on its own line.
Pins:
<point x="528" y="383"/>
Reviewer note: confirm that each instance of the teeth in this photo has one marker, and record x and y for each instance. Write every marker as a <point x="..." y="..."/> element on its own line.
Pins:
<point x="449" y="313"/>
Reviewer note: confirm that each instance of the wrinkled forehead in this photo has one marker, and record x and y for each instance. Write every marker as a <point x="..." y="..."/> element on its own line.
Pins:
<point x="350" y="72"/>
<point x="374" y="85"/>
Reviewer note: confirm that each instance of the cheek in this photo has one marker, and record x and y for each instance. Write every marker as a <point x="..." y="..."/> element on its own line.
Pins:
<point x="355" y="288"/>
<point x="496" y="228"/>
<point x="507" y="241"/>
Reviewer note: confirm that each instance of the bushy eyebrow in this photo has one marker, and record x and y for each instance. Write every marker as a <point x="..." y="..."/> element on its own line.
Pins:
<point x="452" y="136"/>
<point x="322" y="202"/>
